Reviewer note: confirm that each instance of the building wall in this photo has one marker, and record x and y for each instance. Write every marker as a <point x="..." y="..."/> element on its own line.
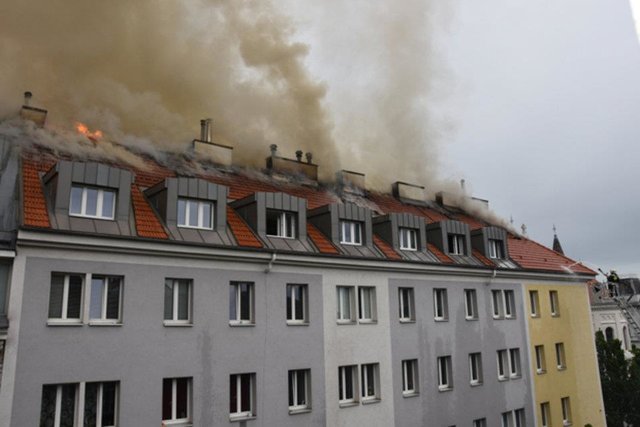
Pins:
<point x="580" y="381"/>
<point x="609" y="316"/>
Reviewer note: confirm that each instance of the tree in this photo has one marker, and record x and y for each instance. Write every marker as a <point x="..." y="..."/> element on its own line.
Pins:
<point x="616" y="380"/>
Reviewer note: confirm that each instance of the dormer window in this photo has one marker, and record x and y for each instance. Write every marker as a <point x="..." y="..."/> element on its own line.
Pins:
<point x="408" y="239"/>
<point x="351" y="232"/>
<point x="456" y="244"/>
<point x="92" y="202"/>
<point x="281" y="224"/>
<point x="496" y="249"/>
<point x="195" y="214"/>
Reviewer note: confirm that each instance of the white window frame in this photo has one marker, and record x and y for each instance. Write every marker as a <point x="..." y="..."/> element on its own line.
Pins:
<point x="58" y="409"/>
<point x="286" y="223"/>
<point x="497" y="303"/>
<point x="515" y="367"/>
<point x="496" y="249"/>
<point x="99" y="202"/>
<point x="292" y="304"/>
<point x="509" y="299"/>
<point x="475" y="363"/>
<point x="440" y="305"/>
<point x="200" y="205"/>
<point x="470" y="304"/>
<point x="554" y="303"/>
<point x="343" y="371"/>
<point x="458" y="244"/>
<point x="174" y="421"/>
<point x="541" y="364"/>
<point x="348" y="292"/>
<point x="80" y="403"/>
<point x="406" y="309"/>
<point x="408" y="238"/>
<point x="239" y="414"/>
<point x="445" y="382"/>
<point x="174" y="321"/>
<point x="561" y="357"/>
<point x="238" y="320"/>
<point x="503" y="364"/>
<point x="355" y="232"/>
<point x="506" y="419"/>
<point x="521" y="420"/>
<point x="367" y="295"/>
<point x="565" y="402"/>
<point x="294" y="375"/>
<point x="534" y="303"/>
<point x="102" y="320"/>
<point x="410" y="371"/>
<point x="545" y="414"/>
<point x="480" y="422"/>
<point x="100" y="404"/>
<point x="64" y="319"/>
<point x="374" y="369"/>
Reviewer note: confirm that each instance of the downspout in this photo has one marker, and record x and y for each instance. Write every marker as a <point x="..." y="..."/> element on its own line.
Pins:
<point x="270" y="265"/>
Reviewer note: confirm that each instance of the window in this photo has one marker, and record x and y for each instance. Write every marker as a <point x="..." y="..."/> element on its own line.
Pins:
<point x="545" y="414"/>
<point x="445" y="381"/>
<point x="345" y="304"/>
<point x="520" y="419"/>
<point x="497" y="303"/>
<point x="408" y="239"/>
<point x="106" y="299"/>
<point x="195" y="214"/>
<point x="440" y="309"/>
<point x="176" y="401"/>
<point x="297" y="304"/>
<point x="481" y="422"/>
<point x="503" y="304"/>
<point x="535" y="303"/>
<point x="347" y="384"/>
<point x="65" y="299"/>
<point x="91" y="202"/>
<point x="566" y="411"/>
<point x="281" y="224"/>
<point x="496" y="249"/>
<point x="370" y="381"/>
<point x="367" y="304"/>
<point x="351" y="232"/>
<point x="475" y="368"/>
<point x="509" y="304"/>
<point x="58" y="406"/>
<point x="470" y="304"/>
<point x="406" y="303"/>
<point x="241" y="296"/>
<point x="541" y="365"/>
<point x="555" y="305"/>
<point x="410" y="377"/>
<point x="608" y="334"/>
<point x="242" y="396"/>
<point x="177" y="301"/>
<point x="560" y="356"/>
<point x="299" y="390"/>
<point x="507" y="419"/>
<point x="456" y="244"/>
<point x="514" y="363"/>
<point x="503" y="365"/>
<point x="101" y="404"/>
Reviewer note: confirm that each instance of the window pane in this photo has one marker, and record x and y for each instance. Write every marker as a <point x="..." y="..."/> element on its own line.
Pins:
<point x="245" y="392"/>
<point x="357" y="233"/>
<point x="273" y="219"/>
<point x="182" y="398"/>
<point x="168" y="299"/>
<point x="409" y="375"/>
<point x="193" y="213"/>
<point x="245" y="301"/>
<point x="291" y="391"/>
<point x="91" y="405"/>
<point x="233" y="394"/>
<point x="75" y="297"/>
<point x="233" y="289"/>
<point x="301" y="383"/>
<point x="113" y="298"/>
<point x="347" y="232"/>
<point x="68" y="405"/>
<point x="55" y="299"/>
<point x="92" y="201"/>
<point x="299" y="302"/>
<point x="76" y="201"/>
<point x="167" y="390"/>
<point x="348" y="371"/>
<point x="182" y="212"/>
<point x="109" y="403"/>
<point x="206" y="215"/>
<point x="108" y="201"/>
<point x="290" y="225"/>
<point x="289" y="299"/>
<point x="97" y="286"/>
<point x="183" y="300"/>
<point x="48" y="407"/>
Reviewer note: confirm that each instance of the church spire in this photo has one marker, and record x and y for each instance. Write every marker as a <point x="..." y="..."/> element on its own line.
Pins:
<point x="556" y="242"/>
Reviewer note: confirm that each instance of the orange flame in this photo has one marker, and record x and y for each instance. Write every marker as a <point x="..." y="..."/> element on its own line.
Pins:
<point x="84" y="130"/>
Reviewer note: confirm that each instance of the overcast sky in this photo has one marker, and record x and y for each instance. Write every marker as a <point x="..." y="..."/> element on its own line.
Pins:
<point x="543" y="101"/>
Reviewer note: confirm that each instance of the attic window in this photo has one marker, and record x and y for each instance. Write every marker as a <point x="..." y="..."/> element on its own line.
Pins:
<point x="456" y="244"/>
<point x="408" y="239"/>
<point x="195" y="214"/>
<point x="351" y="232"/>
<point x="281" y="224"/>
<point x="496" y="249"/>
<point x="91" y="202"/>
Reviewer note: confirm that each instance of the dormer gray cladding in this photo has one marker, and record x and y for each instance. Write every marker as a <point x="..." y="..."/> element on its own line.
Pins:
<point x="327" y="220"/>
<point x="480" y="242"/>
<point x="387" y="228"/>
<point x="253" y="209"/>
<point x="164" y="198"/>
<point x="437" y="233"/>
<point x="64" y="174"/>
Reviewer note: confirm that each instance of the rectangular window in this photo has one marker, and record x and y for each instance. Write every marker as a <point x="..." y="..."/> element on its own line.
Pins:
<point x="59" y="405"/>
<point x="299" y="390"/>
<point x="440" y="309"/>
<point x="545" y="414"/>
<point x="560" y="356"/>
<point x="367" y="304"/>
<point x="347" y="384"/>
<point x="520" y="419"/>
<point x="503" y="365"/>
<point x="456" y="244"/>
<point x="90" y="202"/>
<point x="410" y="377"/>
<point x="101" y="404"/>
<point x="345" y="304"/>
<point x="65" y="299"/>
<point x="507" y="419"/>
<point x="445" y="382"/>
<point x="241" y="296"/>
<point x="195" y="214"/>
<point x="470" y="304"/>
<point x="242" y="396"/>
<point x="497" y="304"/>
<point x="509" y="304"/>
<point x="408" y="239"/>
<point x="176" y="401"/>
<point x="481" y="422"/>
<point x="406" y="304"/>
<point x="566" y="411"/>
<point x="351" y="232"/>
<point x="297" y="304"/>
<point x="541" y="365"/>
<point x="555" y="304"/>
<point x="496" y="249"/>
<point x="370" y="381"/>
<point x="514" y="363"/>
<point x="177" y="301"/>
<point x="475" y="368"/>
<point x="535" y="303"/>
<point x="281" y="224"/>
<point x="106" y="299"/>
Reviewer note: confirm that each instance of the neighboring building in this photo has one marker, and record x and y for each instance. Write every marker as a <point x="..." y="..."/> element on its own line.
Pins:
<point x="139" y="297"/>
<point x="615" y="310"/>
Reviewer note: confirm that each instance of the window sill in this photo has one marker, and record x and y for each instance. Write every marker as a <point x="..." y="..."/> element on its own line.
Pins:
<point x="476" y="384"/>
<point x="441" y="319"/>
<point x="535" y="316"/>
<point x="515" y="377"/>
<point x="409" y="394"/>
<point x="348" y="404"/>
<point x="191" y="227"/>
<point x="280" y="237"/>
<point x="297" y="323"/>
<point x="562" y="368"/>
<point x="371" y="400"/>
<point x="443" y="388"/>
<point x="407" y="321"/>
<point x="498" y="318"/>
<point x="91" y="217"/>
<point x="367" y="322"/>
<point x="234" y="418"/>
<point x="541" y="371"/>
<point x="241" y="324"/>
<point x="471" y="319"/>
<point x="510" y="317"/>
<point x="177" y="423"/>
<point x="556" y="315"/>
<point x="351" y="244"/>
<point x="299" y="411"/>
<point x="61" y="322"/>
<point x="503" y="379"/>
<point x="104" y="323"/>
<point x="346" y="322"/>
<point x="177" y="323"/>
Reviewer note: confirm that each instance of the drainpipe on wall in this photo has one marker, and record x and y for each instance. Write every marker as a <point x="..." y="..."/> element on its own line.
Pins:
<point x="270" y="265"/>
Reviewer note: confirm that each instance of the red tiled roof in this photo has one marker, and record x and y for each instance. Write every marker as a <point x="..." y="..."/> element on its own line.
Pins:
<point x="390" y="204"/>
<point x="322" y="243"/>
<point x="34" y="206"/>
<point x="385" y="248"/>
<point x="243" y="234"/>
<point x="530" y="254"/>
<point x="486" y="261"/>
<point x="472" y="222"/>
<point x="439" y="254"/>
<point x="147" y="223"/>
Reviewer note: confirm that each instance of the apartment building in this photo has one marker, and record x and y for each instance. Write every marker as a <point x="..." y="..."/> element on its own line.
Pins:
<point x="137" y="295"/>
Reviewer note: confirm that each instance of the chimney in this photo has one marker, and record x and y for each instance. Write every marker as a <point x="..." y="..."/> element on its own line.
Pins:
<point x="36" y="115"/>
<point x="350" y="182"/>
<point x="410" y="193"/>
<point x="206" y="150"/>
<point x="299" y="155"/>
<point x="276" y="163"/>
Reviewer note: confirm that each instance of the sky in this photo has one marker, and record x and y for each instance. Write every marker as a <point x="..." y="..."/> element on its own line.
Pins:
<point x="539" y="106"/>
